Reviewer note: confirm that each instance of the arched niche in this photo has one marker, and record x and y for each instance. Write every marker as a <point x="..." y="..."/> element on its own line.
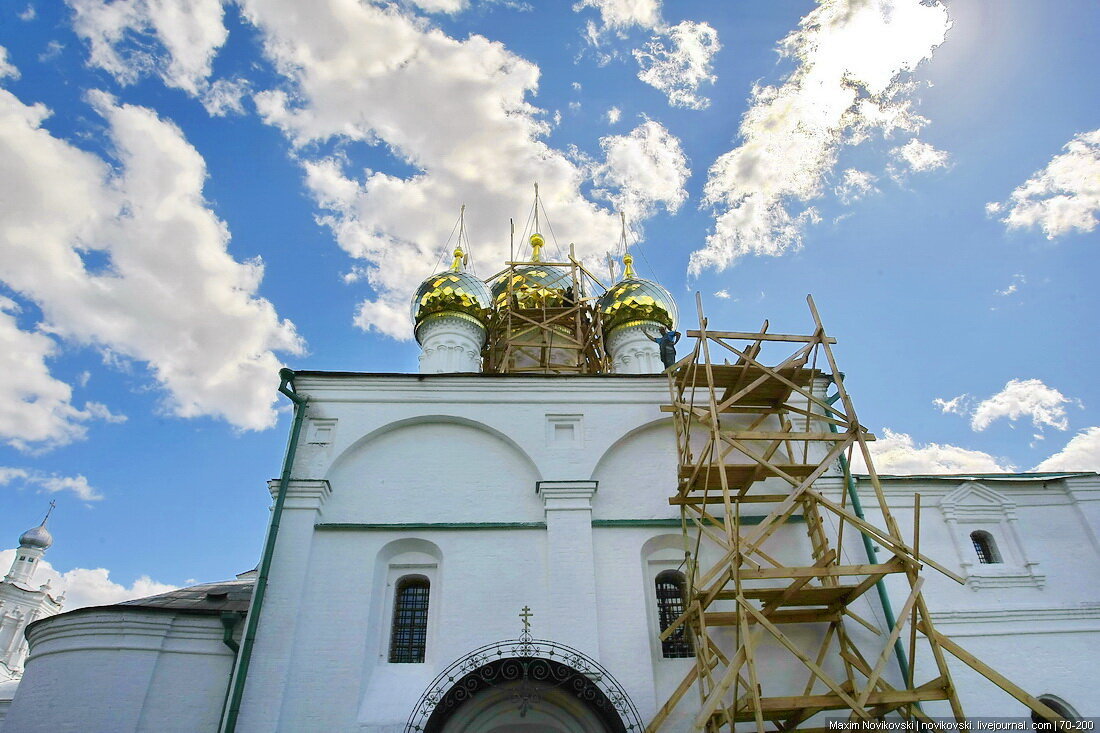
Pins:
<point x="433" y="469"/>
<point x="637" y="473"/>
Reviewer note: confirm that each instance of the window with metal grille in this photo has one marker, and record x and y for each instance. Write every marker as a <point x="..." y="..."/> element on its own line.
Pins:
<point x="409" y="633"/>
<point x="985" y="547"/>
<point x="670" y="605"/>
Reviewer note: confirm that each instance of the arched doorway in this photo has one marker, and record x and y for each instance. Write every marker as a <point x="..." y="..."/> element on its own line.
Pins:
<point x="525" y="686"/>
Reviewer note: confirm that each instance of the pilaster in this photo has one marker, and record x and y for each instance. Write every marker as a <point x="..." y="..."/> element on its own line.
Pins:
<point x="571" y="567"/>
<point x="261" y="704"/>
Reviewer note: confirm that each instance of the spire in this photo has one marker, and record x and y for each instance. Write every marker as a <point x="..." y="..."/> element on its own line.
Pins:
<point x="537" y="243"/>
<point x="48" y="512"/>
<point x="628" y="265"/>
<point x="460" y="259"/>
<point x="536" y="206"/>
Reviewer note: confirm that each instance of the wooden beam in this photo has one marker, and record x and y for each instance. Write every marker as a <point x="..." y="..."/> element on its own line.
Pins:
<point x="991" y="674"/>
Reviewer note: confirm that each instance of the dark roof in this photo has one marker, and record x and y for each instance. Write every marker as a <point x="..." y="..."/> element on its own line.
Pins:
<point x="207" y="599"/>
<point x="228" y="595"/>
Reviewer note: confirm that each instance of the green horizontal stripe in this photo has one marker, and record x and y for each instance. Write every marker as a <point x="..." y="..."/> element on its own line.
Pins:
<point x="429" y="525"/>
<point x="389" y="527"/>
<point x="755" y="519"/>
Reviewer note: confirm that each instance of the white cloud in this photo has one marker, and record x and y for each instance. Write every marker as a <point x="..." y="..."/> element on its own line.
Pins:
<point x="171" y="296"/>
<point x="6" y="67"/>
<point x="28" y="13"/>
<point x="723" y="294"/>
<point x="1017" y="281"/>
<point x="614" y="115"/>
<point x="50" y="483"/>
<point x="679" y="67"/>
<point x="959" y="405"/>
<point x="847" y="83"/>
<point x="622" y="14"/>
<point x="85" y="587"/>
<point x="36" y="409"/>
<point x="919" y="157"/>
<point x="7" y="475"/>
<point x="898" y="453"/>
<point x="1082" y="453"/>
<point x="225" y="96"/>
<point x="644" y="168"/>
<point x="854" y="185"/>
<point x="191" y="32"/>
<point x="1023" y="398"/>
<point x="1062" y="197"/>
<point x="456" y="110"/>
<point x="53" y="50"/>
<point x="441" y="6"/>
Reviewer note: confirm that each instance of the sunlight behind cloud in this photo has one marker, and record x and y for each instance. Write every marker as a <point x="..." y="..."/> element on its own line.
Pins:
<point x="847" y="84"/>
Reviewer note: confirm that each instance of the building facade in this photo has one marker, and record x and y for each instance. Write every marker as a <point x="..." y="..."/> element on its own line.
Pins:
<point x="490" y="546"/>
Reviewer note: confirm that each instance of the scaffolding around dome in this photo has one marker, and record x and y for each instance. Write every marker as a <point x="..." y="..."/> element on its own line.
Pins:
<point x="545" y="319"/>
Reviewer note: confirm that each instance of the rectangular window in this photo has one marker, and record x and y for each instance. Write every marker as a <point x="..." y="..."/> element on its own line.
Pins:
<point x="409" y="633"/>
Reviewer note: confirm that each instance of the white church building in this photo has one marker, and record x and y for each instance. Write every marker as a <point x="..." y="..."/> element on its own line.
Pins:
<point x="490" y="546"/>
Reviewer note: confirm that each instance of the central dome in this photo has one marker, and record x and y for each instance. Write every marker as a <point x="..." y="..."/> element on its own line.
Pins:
<point x="536" y="285"/>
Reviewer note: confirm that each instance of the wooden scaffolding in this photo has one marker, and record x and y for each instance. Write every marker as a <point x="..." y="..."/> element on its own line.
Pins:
<point x="737" y="425"/>
<point x="552" y="334"/>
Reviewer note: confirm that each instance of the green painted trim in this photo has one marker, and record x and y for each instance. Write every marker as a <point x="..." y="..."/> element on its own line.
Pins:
<point x="389" y="527"/>
<point x="676" y="522"/>
<point x="252" y="620"/>
<point x="448" y="526"/>
<point x="872" y="555"/>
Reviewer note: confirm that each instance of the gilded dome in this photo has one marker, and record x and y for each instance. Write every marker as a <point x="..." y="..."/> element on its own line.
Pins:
<point x="452" y="292"/>
<point x="534" y="286"/>
<point x="633" y="300"/>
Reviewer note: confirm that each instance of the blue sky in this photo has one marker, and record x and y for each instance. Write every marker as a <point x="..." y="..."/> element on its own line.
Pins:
<point x="194" y="194"/>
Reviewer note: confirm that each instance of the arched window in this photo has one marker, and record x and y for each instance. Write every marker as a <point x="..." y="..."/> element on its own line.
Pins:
<point x="409" y="633"/>
<point x="985" y="547"/>
<point x="670" y="605"/>
<point x="1059" y="706"/>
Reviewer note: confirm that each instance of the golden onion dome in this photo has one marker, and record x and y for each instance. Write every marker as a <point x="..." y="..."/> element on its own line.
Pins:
<point x="534" y="286"/>
<point x="635" y="301"/>
<point x="452" y="292"/>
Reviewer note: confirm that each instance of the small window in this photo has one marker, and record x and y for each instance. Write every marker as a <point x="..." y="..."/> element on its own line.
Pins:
<point x="670" y="606"/>
<point x="985" y="547"/>
<point x="409" y="634"/>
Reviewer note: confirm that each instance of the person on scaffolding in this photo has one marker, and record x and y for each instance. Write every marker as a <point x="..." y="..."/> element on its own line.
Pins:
<point x="666" y="342"/>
